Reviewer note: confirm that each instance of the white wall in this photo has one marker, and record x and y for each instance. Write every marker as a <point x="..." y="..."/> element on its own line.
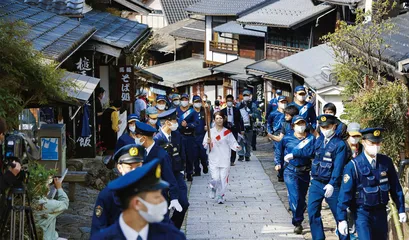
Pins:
<point x="210" y="91"/>
<point x="154" y="21"/>
<point x="154" y="4"/>
<point x="332" y="95"/>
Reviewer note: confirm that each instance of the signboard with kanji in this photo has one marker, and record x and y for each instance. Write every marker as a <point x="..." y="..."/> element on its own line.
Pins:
<point x="126" y="84"/>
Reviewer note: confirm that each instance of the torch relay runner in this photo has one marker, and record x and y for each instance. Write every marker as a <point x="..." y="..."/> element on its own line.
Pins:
<point x="218" y="146"/>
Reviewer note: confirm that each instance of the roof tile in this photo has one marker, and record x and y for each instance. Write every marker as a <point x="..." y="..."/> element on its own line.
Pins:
<point x="175" y="9"/>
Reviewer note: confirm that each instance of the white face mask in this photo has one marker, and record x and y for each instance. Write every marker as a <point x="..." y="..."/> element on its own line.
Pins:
<point x="184" y="103"/>
<point x="327" y="133"/>
<point x="204" y="99"/>
<point x="132" y="129"/>
<point x="197" y="105"/>
<point x="282" y="105"/>
<point x="174" y="126"/>
<point x="229" y="104"/>
<point x="299" y="129"/>
<point x="153" y="121"/>
<point x="354" y="140"/>
<point x="176" y="102"/>
<point x="161" y="106"/>
<point x="372" y="150"/>
<point x="300" y="98"/>
<point x="156" y="212"/>
<point x="246" y="98"/>
<point x="139" y="142"/>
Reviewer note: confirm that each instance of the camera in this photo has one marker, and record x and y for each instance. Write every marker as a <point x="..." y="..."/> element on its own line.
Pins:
<point x="18" y="146"/>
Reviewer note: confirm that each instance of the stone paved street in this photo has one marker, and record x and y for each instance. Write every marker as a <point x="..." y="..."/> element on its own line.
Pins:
<point x="253" y="209"/>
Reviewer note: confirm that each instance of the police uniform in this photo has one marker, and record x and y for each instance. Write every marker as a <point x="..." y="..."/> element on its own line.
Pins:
<point x="175" y="101"/>
<point x="274" y="123"/>
<point x="296" y="170"/>
<point x="307" y="110"/>
<point x="107" y="207"/>
<point x="200" y="153"/>
<point x="152" y="119"/>
<point x="143" y="179"/>
<point x="126" y="138"/>
<point x="188" y="135"/>
<point x="273" y="104"/>
<point x="172" y="143"/>
<point x="365" y="189"/>
<point x="158" y="99"/>
<point x="326" y="172"/>
<point x="156" y="151"/>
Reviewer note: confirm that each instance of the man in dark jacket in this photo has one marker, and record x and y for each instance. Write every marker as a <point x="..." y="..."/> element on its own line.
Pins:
<point x="234" y="122"/>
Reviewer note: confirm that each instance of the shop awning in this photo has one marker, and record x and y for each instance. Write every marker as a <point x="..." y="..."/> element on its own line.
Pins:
<point x="85" y="86"/>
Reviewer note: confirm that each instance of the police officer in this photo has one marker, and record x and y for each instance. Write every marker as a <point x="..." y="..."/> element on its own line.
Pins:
<point x="295" y="151"/>
<point x="175" y="101"/>
<point x="152" y="117"/>
<point x="144" y="137"/>
<point x="144" y="207"/>
<point x="273" y="104"/>
<point x="326" y="173"/>
<point x="171" y="140"/>
<point x="367" y="181"/>
<point x="160" y="103"/>
<point x="107" y="207"/>
<point x="246" y="111"/>
<point x="200" y="131"/>
<point x="306" y="110"/>
<point x="341" y="129"/>
<point x="128" y="137"/>
<point x="187" y="124"/>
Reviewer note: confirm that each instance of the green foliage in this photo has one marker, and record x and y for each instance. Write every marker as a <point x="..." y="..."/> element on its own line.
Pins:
<point x="26" y="76"/>
<point x="141" y="56"/>
<point x="38" y="178"/>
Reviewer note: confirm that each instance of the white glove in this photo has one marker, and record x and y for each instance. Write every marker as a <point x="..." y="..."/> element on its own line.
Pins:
<point x="288" y="157"/>
<point x="343" y="227"/>
<point x="176" y="205"/>
<point x="329" y="190"/>
<point x="402" y="217"/>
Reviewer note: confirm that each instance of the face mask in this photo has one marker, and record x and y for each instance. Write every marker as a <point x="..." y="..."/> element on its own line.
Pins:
<point x="161" y="106"/>
<point x="176" y="102"/>
<point x="204" y="99"/>
<point x="372" y="150"/>
<point x="132" y="129"/>
<point x="282" y="105"/>
<point x="246" y="98"/>
<point x="229" y="104"/>
<point x="184" y="103"/>
<point x="300" y="98"/>
<point x="156" y="212"/>
<point x="153" y="121"/>
<point x="299" y="129"/>
<point x="174" y="126"/>
<point x="354" y="140"/>
<point x="139" y="142"/>
<point x="327" y="133"/>
<point x="197" y="105"/>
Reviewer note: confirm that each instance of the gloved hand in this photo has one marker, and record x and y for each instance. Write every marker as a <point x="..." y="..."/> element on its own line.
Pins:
<point x="329" y="190"/>
<point x="402" y="217"/>
<point x="343" y="227"/>
<point x="288" y="157"/>
<point x="176" y="205"/>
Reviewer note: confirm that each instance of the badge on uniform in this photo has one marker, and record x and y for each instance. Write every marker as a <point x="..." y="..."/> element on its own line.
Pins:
<point x="346" y="178"/>
<point x="98" y="211"/>
<point x="158" y="172"/>
<point x="133" y="151"/>
<point x="323" y="119"/>
<point x="377" y="133"/>
<point x="383" y="174"/>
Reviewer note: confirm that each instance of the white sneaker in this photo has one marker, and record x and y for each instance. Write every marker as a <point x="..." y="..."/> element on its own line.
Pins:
<point x="220" y="200"/>
<point x="212" y="193"/>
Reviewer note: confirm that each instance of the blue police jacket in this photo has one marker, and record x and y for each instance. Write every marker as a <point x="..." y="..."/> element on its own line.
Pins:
<point x="274" y="122"/>
<point x="167" y="172"/>
<point x="286" y="127"/>
<point x="272" y="106"/>
<point x="106" y="212"/>
<point x="329" y="161"/>
<point x="177" y="154"/>
<point x="367" y="188"/>
<point x="200" y="122"/>
<point x="302" y="150"/>
<point x="307" y="112"/>
<point x="124" y="140"/>
<point x="157" y="231"/>
<point x="190" y="117"/>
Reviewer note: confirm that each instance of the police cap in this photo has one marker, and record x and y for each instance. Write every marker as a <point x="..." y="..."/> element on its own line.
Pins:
<point x="132" y="117"/>
<point x="168" y="115"/>
<point x="373" y="134"/>
<point x="160" y="98"/>
<point x="185" y="95"/>
<point x="144" y="129"/>
<point x="246" y="93"/>
<point x="175" y="96"/>
<point x="142" y="179"/>
<point x="196" y="98"/>
<point x="130" y="153"/>
<point x="326" y="119"/>
<point x="279" y="92"/>
<point x="297" y="118"/>
<point x="282" y="98"/>
<point x="299" y="89"/>
<point x="152" y="112"/>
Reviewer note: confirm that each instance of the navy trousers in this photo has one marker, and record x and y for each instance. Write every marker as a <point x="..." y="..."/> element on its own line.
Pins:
<point x="200" y="153"/>
<point x="178" y="217"/>
<point x="297" y="185"/>
<point x="190" y="152"/>
<point x="372" y="225"/>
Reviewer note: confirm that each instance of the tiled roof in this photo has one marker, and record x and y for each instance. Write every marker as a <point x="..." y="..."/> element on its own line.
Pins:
<point x="224" y="7"/>
<point x="282" y="75"/>
<point x="284" y="13"/>
<point x="264" y="66"/>
<point x="175" y="9"/>
<point x="235" y="28"/>
<point x="237" y="66"/>
<point x="135" y="5"/>
<point x="61" y="7"/>
<point x="194" y="31"/>
<point x="343" y="2"/>
<point x="164" y="42"/>
<point x="115" y="31"/>
<point x="53" y="35"/>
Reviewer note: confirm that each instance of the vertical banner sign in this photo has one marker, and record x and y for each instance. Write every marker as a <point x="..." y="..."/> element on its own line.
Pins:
<point x="126" y="84"/>
<point x="260" y="91"/>
<point x="84" y="66"/>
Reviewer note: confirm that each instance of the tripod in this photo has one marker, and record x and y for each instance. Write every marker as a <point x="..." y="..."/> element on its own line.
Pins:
<point x="19" y="209"/>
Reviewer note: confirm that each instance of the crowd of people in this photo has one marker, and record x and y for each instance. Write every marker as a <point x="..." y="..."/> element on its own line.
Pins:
<point x="183" y="136"/>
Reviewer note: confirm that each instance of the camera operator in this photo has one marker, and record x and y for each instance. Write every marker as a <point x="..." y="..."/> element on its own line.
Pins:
<point x="9" y="177"/>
